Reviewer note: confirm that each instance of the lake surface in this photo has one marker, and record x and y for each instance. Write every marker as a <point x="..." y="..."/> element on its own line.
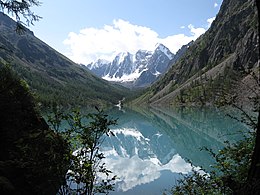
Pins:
<point x="151" y="147"/>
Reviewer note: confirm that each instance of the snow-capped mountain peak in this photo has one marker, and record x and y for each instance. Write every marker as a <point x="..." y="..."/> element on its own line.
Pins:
<point x="122" y="56"/>
<point x="135" y="70"/>
<point x="160" y="47"/>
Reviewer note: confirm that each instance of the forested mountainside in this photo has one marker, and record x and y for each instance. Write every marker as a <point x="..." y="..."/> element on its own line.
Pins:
<point x="53" y="77"/>
<point x="221" y="60"/>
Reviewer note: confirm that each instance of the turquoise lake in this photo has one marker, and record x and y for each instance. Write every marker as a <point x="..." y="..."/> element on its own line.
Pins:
<point x="152" y="147"/>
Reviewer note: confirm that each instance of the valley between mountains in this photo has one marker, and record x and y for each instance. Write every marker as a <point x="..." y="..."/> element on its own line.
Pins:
<point x="169" y="108"/>
<point x="222" y="59"/>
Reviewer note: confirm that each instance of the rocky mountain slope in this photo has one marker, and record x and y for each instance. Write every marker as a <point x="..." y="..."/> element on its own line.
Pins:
<point x="221" y="60"/>
<point x="52" y="76"/>
<point x="137" y="70"/>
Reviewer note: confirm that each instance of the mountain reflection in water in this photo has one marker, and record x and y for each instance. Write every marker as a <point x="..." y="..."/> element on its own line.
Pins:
<point x="152" y="146"/>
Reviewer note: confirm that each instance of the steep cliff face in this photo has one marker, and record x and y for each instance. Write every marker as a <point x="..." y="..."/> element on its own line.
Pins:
<point x="31" y="156"/>
<point x="228" y="49"/>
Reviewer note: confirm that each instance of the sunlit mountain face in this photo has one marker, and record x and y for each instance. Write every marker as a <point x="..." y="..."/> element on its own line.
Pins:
<point x="137" y="70"/>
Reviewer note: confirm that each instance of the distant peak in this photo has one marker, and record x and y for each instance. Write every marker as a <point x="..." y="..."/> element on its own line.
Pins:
<point x="122" y="56"/>
<point x="158" y="45"/>
<point x="162" y="48"/>
<point x="102" y="61"/>
<point x="97" y="64"/>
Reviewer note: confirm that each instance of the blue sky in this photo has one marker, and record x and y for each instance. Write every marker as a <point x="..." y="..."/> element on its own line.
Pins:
<point x="85" y="30"/>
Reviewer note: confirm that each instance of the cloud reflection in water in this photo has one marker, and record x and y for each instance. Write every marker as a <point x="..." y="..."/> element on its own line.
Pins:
<point x="134" y="171"/>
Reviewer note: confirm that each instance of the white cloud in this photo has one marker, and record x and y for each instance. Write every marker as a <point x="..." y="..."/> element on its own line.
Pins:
<point x="196" y="32"/>
<point x="215" y="5"/>
<point x="182" y="27"/>
<point x="91" y="44"/>
<point x="141" y="171"/>
<point x="210" y="20"/>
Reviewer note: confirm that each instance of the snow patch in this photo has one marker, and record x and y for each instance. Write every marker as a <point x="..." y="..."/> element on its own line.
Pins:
<point x="121" y="57"/>
<point x="125" y="78"/>
<point x="99" y="63"/>
<point x="165" y="50"/>
<point x="130" y="132"/>
<point x="157" y="73"/>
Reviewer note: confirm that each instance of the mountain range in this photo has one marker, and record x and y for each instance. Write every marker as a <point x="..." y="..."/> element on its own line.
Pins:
<point x="49" y="74"/>
<point x="137" y="70"/>
<point x="224" y="59"/>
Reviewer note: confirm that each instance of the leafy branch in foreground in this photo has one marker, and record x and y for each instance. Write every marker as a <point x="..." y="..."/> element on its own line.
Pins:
<point x="237" y="164"/>
<point x="199" y="182"/>
<point x="229" y="172"/>
<point x="21" y="9"/>
<point x="87" y="173"/>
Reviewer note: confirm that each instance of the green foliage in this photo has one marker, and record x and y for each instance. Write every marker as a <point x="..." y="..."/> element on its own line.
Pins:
<point x="229" y="174"/>
<point x="31" y="155"/>
<point x="198" y="182"/>
<point x="21" y="9"/>
<point x="85" y="133"/>
<point x="41" y="155"/>
<point x="234" y="161"/>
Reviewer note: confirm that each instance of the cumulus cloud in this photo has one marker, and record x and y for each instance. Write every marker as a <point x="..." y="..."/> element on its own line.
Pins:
<point x="196" y="32"/>
<point x="215" y="5"/>
<point x="90" y="44"/>
<point x="210" y="20"/>
<point x="141" y="171"/>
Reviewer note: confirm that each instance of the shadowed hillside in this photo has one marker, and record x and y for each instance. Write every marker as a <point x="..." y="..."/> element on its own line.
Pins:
<point x="52" y="76"/>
